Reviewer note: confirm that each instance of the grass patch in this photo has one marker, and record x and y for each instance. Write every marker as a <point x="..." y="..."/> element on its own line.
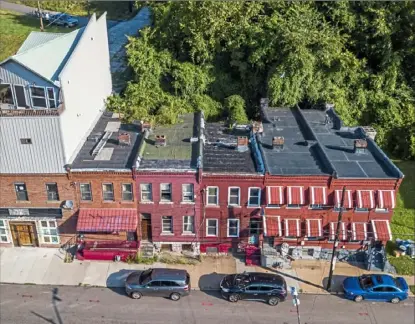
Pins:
<point x="169" y="258"/>
<point x="16" y="27"/>
<point x="403" y="221"/>
<point x="139" y="259"/>
<point x="116" y="10"/>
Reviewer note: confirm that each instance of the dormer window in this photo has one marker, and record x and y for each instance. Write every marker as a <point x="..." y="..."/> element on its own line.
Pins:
<point x="42" y="97"/>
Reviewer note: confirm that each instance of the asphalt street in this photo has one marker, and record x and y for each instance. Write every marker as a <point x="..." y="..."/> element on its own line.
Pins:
<point x="66" y="305"/>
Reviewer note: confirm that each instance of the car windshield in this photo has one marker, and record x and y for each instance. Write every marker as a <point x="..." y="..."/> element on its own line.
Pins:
<point x="366" y="282"/>
<point x="242" y="279"/>
<point x="145" y="276"/>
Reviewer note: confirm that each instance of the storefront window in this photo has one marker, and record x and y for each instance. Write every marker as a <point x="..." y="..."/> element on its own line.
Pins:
<point x="49" y="232"/>
<point x="3" y="231"/>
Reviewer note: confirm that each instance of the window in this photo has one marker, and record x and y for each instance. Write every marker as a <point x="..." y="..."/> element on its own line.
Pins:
<point x="211" y="227"/>
<point x="316" y="206"/>
<point x="169" y="284"/>
<point x="381" y="210"/>
<point x="3" y="231"/>
<point x="108" y="192"/>
<point x="187" y="192"/>
<point x="212" y="195"/>
<point x="52" y="191"/>
<point x="165" y="191"/>
<point x="21" y="192"/>
<point x="127" y="191"/>
<point x="167" y="224"/>
<point x="188" y="224"/>
<point x="253" y="288"/>
<point x="266" y="288"/>
<point x="233" y="198"/>
<point x="20" y="96"/>
<point x="49" y="232"/>
<point x="361" y="209"/>
<point x="255" y="225"/>
<point x="254" y="197"/>
<point x="146" y="192"/>
<point x="233" y="227"/>
<point x="337" y="209"/>
<point x="25" y="141"/>
<point x="154" y="284"/>
<point x="51" y="98"/>
<point x="294" y="206"/>
<point x="6" y="94"/>
<point x="38" y="97"/>
<point x="86" y="193"/>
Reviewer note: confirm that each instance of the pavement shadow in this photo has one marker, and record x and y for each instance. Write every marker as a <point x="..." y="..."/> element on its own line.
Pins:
<point x="295" y="278"/>
<point x="336" y="284"/>
<point x="210" y="283"/>
<point x="116" y="280"/>
<point x="55" y="299"/>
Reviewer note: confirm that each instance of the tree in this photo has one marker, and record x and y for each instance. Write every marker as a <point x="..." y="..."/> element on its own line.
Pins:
<point x="235" y="106"/>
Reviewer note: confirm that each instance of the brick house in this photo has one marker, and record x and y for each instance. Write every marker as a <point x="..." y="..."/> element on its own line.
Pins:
<point x="46" y="110"/>
<point x="309" y="157"/>
<point x="232" y="187"/>
<point x="168" y="185"/>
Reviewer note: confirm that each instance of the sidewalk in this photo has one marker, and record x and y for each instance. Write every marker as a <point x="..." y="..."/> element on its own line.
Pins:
<point x="45" y="266"/>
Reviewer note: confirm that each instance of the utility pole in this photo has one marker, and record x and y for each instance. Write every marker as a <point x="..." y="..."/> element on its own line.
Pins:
<point x="336" y="240"/>
<point x="296" y="302"/>
<point x="40" y="16"/>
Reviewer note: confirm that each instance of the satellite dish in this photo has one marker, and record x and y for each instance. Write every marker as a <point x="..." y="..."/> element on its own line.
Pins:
<point x="68" y="204"/>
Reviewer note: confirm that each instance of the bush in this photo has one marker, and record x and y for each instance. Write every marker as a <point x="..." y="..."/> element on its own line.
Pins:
<point x="139" y="259"/>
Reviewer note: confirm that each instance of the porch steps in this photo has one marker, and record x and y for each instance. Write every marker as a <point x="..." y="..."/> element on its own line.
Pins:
<point x="147" y="249"/>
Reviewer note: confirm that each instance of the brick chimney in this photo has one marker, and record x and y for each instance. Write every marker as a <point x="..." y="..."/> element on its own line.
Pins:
<point x="242" y="144"/>
<point x="124" y="139"/>
<point x="360" y="146"/>
<point x="278" y="142"/>
<point x="160" y="140"/>
<point x="145" y="126"/>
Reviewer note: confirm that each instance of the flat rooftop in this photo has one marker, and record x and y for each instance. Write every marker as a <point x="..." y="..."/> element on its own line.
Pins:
<point x="103" y="150"/>
<point x="179" y="152"/>
<point x="296" y="158"/>
<point x="220" y="154"/>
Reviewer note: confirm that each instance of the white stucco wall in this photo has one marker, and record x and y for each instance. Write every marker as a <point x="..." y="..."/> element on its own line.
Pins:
<point x="86" y="83"/>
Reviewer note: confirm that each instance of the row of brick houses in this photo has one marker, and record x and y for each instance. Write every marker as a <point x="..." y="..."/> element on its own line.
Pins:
<point x="196" y="185"/>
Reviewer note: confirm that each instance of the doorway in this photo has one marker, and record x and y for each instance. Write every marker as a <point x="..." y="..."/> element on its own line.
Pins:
<point x="24" y="234"/>
<point x="146" y="227"/>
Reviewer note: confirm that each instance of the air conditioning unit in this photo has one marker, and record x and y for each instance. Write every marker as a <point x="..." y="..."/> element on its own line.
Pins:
<point x="67" y="204"/>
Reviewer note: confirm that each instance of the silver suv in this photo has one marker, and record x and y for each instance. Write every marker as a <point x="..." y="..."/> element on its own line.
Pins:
<point x="171" y="283"/>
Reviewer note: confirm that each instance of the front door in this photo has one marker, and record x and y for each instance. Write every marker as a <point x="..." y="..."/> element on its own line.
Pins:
<point x="146" y="229"/>
<point x="23" y="234"/>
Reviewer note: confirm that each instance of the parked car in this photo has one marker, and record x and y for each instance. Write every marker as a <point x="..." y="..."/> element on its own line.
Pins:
<point x="172" y="283"/>
<point x="65" y="20"/>
<point x="266" y="287"/>
<point x="376" y="287"/>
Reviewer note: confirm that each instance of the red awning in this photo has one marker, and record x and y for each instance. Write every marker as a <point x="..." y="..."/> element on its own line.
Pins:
<point x="292" y="227"/>
<point x="272" y="226"/>
<point x="386" y="199"/>
<point x="275" y="196"/>
<point x="314" y="228"/>
<point x="295" y="195"/>
<point x="342" y="231"/>
<point x="359" y="231"/>
<point x="381" y="230"/>
<point x="365" y="199"/>
<point x="318" y="196"/>
<point x="348" y="200"/>
<point x="107" y="220"/>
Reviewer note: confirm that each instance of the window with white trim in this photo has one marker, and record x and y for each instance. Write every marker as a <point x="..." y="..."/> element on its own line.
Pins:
<point x="49" y="232"/>
<point x="357" y="209"/>
<point x="294" y="206"/>
<point x="188" y="224"/>
<point x="6" y="94"/>
<point x="146" y="192"/>
<point x="51" y="97"/>
<point x="233" y="227"/>
<point x="212" y="195"/>
<point x="187" y="192"/>
<point x="165" y="194"/>
<point x="108" y="191"/>
<point x="234" y="196"/>
<point x="167" y="224"/>
<point x="254" y="199"/>
<point x="211" y="227"/>
<point x="316" y="206"/>
<point x="86" y="193"/>
<point x="4" y="238"/>
<point x="127" y="191"/>
<point x="381" y="210"/>
<point x="38" y="96"/>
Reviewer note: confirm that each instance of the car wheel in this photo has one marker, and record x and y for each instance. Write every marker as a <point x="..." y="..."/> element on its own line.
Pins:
<point x="136" y="295"/>
<point x="358" y="299"/>
<point x="175" y="296"/>
<point x="233" y="298"/>
<point x="273" y="301"/>
<point x="66" y="25"/>
<point x="395" y="300"/>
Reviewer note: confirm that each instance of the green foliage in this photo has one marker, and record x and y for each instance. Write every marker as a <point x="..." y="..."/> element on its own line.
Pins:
<point x="169" y="258"/>
<point x="139" y="259"/>
<point x="235" y="106"/>
<point x="358" y="55"/>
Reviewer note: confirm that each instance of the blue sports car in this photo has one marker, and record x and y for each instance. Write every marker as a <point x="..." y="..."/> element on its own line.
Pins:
<point x="376" y="288"/>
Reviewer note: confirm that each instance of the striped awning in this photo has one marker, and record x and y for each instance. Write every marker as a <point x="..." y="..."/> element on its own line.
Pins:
<point x="342" y="231"/>
<point x="359" y="231"/>
<point x="381" y="230"/>
<point x="365" y="199"/>
<point x="348" y="200"/>
<point x="314" y="228"/>
<point x="318" y="195"/>
<point x="107" y="220"/>
<point x="275" y="195"/>
<point x="292" y="227"/>
<point x="295" y="195"/>
<point x="386" y="199"/>
<point x="272" y="226"/>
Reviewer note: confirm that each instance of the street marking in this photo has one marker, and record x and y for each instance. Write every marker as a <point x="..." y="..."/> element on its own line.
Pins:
<point x="207" y="304"/>
<point x="363" y="314"/>
<point x="27" y="296"/>
<point x="94" y="301"/>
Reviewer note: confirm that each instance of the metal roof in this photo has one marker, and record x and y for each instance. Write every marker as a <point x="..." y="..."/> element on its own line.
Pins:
<point x="37" y="38"/>
<point x="48" y="57"/>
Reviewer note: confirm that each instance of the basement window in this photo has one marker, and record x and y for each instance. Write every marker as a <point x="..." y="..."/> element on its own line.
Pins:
<point x="25" y="141"/>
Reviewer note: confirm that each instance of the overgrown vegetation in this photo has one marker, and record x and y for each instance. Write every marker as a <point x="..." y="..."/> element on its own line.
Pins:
<point x="15" y="28"/>
<point x="116" y="10"/>
<point x="358" y="55"/>
<point x="139" y="259"/>
<point x="169" y="258"/>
